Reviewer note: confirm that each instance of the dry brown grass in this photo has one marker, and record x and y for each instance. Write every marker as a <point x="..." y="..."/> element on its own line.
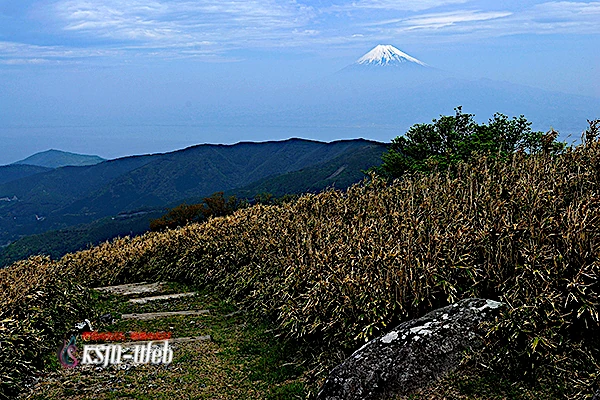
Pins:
<point x="341" y="266"/>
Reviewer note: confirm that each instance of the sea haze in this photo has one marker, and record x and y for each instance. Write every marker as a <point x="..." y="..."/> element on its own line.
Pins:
<point x="377" y="96"/>
<point x="118" y="141"/>
<point x="122" y="78"/>
<point x="372" y="102"/>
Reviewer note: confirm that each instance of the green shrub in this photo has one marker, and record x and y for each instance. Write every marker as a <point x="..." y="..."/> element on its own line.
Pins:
<point x="450" y="140"/>
<point x="213" y="206"/>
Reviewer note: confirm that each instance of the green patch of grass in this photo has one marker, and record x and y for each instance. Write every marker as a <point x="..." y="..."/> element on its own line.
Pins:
<point x="491" y="386"/>
<point x="243" y="361"/>
<point x="51" y="362"/>
<point x="270" y="360"/>
<point x="294" y="390"/>
<point x="472" y="383"/>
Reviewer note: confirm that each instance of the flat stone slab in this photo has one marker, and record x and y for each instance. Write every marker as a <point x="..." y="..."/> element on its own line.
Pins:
<point x="147" y="316"/>
<point x="144" y="300"/>
<point x="171" y="341"/>
<point x="134" y="288"/>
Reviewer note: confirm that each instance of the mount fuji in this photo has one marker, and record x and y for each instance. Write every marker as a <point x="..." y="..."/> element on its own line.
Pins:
<point x="386" y="91"/>
<point x="386" y="66"/>
<point x="386" y="55"/>
<point x="388" y="62"/>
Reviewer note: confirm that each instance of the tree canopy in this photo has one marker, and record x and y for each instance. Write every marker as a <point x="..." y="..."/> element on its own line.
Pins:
<point x="216" y="205"/>
<point x="452" y="139"/>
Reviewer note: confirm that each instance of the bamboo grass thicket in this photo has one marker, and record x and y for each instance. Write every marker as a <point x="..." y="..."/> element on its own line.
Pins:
<point x="339" y="268"/>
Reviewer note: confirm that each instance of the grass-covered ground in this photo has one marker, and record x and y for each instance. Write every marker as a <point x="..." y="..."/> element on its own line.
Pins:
<point x="241" y="361"/>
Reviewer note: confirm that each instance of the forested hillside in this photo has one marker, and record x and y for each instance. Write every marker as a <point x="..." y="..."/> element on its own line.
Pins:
<point x="69" y="196"/>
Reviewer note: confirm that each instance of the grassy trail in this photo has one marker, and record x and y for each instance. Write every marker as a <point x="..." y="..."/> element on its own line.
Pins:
<point x="242" y="360"/>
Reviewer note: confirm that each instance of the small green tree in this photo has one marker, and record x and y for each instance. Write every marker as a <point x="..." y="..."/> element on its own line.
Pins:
<point x="453" y="139"/>
<point x="264" y="198"/>
<point x="216" y="205"/>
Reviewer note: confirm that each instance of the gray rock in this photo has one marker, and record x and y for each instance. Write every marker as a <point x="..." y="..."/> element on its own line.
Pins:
<point x="107" y="319"/>
<point x="413" y="355"/>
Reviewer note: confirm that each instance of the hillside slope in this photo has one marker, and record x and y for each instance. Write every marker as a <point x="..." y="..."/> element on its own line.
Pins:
<point x="73" y="195"/>
<point x="339" y="173"/>
<point x="57" y="243"/>
<point x="337" y="268"/>
<point x="9" y="173"/>
<point x="202" y="170"/>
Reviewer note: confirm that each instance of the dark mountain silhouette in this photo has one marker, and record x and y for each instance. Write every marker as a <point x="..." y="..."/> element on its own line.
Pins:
<point x="56" y="158"/>
<point x="64" y="197"/>
<point x="9" y="173"/>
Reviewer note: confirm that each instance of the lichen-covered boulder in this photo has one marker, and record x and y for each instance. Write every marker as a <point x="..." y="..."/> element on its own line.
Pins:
<point x="413" y="355"/>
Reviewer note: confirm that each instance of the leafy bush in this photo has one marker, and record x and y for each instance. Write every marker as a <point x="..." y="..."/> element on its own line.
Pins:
<point x="452" y="139"/>
<point x="213" y="206"/>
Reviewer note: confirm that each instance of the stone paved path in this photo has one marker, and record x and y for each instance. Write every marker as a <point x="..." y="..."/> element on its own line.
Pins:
<point x="216" y="354"/>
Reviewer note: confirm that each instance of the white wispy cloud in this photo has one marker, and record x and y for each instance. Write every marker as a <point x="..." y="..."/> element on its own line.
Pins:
<point x="23" y="53"/>
<point x="214" y="30"/>
<point x="569" y="8"/>
<point x="561" y="17"/>
<point x="551" y="17"/>
<point x="27" y="61"/>
<point x="440" y="20"/>
<point x="437" y="21"/>
<point x="180" y="21"/>
<point x="556" y="17"/>
<point x="408" y="5"/>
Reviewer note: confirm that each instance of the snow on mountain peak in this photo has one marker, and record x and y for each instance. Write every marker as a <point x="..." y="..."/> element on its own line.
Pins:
<point x="387" y="55"/>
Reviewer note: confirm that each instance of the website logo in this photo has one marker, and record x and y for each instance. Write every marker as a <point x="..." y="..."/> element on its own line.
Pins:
<point x="66" y="354"/>
<point x="154" y="352"/>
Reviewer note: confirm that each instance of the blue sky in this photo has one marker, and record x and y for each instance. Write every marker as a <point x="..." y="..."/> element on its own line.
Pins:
<point x="107" y="63"/>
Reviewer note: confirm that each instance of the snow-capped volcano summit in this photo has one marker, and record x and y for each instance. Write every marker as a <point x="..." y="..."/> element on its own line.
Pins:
<point x="387" y="55"/>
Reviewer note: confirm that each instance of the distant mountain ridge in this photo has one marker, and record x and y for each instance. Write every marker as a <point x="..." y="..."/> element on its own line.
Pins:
<point x="339" y="173"/>
<point x="395" y="98"/>
<point x="57" y="158"/>
<point x="383" y="98"/>
<point x="12" y="172"/>
<point x="64" y="197"/>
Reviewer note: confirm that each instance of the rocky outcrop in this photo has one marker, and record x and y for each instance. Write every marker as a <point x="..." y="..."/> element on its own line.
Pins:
<point x="413" y="355"/>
